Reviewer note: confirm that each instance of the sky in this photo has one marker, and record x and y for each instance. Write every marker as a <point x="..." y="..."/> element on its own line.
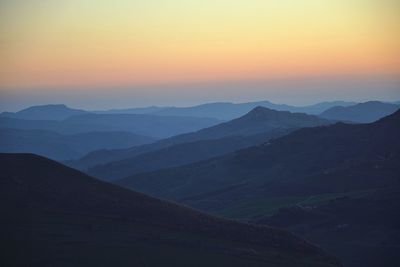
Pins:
<point x="121" y="53"/>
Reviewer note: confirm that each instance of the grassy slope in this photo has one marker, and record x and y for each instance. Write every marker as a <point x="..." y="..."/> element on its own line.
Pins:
<point x="56" y="216"/>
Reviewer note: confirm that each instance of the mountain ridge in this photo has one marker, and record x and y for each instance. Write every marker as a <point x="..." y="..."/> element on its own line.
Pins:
<point x="362" y="113"/>
<point x="276" y="123"/>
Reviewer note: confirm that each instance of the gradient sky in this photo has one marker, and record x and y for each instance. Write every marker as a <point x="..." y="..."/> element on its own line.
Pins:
<point x="99" y="53"/>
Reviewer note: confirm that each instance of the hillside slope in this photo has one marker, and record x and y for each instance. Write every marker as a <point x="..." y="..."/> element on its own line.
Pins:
<point x="337" y="186"/>
<point x="362" y="113"/>
<point x="259" y="121"/>
<point x="56" y="216"/>
<point x="336" y="158"/>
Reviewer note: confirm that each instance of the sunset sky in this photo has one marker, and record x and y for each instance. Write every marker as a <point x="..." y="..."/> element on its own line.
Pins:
<point x="135" y="53"/>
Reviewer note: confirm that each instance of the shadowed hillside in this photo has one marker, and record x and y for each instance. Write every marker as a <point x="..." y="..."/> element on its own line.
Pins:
<point x="180" y="154"/>
<point x="255" y="124"/>
<point x="56" y="216"/>
<point x="304" y="162"/>
<point x="356" y="165"/>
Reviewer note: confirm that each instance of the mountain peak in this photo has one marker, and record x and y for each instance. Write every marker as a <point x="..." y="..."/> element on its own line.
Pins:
<point x="366" y="112"/>
<point x="262" y="111"/>
<point x="45" y="112"/>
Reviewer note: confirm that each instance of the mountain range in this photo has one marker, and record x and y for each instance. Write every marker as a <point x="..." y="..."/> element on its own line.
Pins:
<point x="141" y="124"/>
<point x="258" y="125"/>
<point x="56" y="216"/>
<point x="331" y="178"/>
<point x="218" y="110"/>
<point x="362" y="112"/>
<point x="229" y="111"/>
<point x="353" y="163"/>
<point x="44" y="112"/>
<point x="285" y="166"/>
<point x="65" y="147"/>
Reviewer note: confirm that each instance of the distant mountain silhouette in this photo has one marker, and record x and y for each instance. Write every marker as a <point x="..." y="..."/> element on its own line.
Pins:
<point x="229" y="111"/>
<point x="311" y="167"/>
<point x="45" y="112"/>
<point x="144" y="110"/>
<point x="363" y="112"/>
<point x="63" y="147"/>
<point x="219" y="110"/>
<point x="141" y="124"/>
<point x="267" y="122"/>
<point x="56" y="216"/>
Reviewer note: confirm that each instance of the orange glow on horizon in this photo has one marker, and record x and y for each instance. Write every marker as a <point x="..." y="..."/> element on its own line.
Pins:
<point x="90" y="43"/>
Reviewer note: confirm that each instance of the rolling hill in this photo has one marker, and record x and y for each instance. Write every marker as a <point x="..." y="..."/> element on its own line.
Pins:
<point x="176" y="155"/>
<point x="260" y="121"/>
<point x="307" y="161"/>
<point x="141" y="124"/>
<point x="362" y="113"/>
<point x="56" y="216"/>
<point x="65" y="147"/>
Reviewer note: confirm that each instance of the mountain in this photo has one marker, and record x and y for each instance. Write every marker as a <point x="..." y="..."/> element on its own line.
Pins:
<point x="64" y="147"/>
<point x="44" y="112"/>
<point x="141" y="124"/>
<point x="301" y="163"/>
<point x="144" y="110"/>
<point x="56" y="216"/>
<point x="311" y="165"/>
<point x="219" y="110"/>
<point x="318" y="108"/>
<point x="229" y="111"/>
<point x="260" y="120"/>
<point x="176" y="155"/>
<point x="363" y="112"/>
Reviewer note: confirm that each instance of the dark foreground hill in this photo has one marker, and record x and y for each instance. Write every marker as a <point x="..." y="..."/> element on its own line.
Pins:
<point x="362" y="112"/>
<point x="56" y="216"/>
<point x="357" y="165"/>
<point x="361" y="228"/>
<point x="255" y="124"/>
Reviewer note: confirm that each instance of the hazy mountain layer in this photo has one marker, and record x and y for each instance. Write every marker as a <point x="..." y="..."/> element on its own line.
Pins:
<point x="229" y="111"/>
<point x="267" y="122"/>
<point x="45" y="112"/>
<point x="363" y="112"/>
<point x="63" y="147"/>
<point x="337" y="158"/>
<point x="147" y="125"/>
